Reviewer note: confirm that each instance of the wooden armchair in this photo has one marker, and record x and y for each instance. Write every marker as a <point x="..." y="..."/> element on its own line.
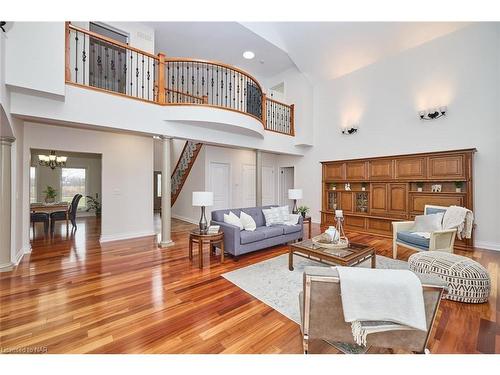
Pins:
<point x="441" y="240"/>
<point x="322" y="315"/>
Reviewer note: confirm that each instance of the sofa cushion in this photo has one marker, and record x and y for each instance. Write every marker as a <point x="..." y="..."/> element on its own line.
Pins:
<point x="287" y="229"/>
<point x="247" y="221"/>
<point x="273" y="231"/>
<point x="249" y="237"/>
<point x="413" y="239"/>
<point x="256" y="214"/>
<point x="233" y="220"/>
<point x="273" y="216"/>
<point x="428" y="223"/>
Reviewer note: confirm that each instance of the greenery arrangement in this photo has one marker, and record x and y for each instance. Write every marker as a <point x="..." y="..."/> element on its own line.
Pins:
<point x="333" y="186"/>
<point x="364" y="185"/>
<point x="303" y="210"/>
<point x="459" y="184"/>
<point x="93" y="204"/>
<point x="50" y="194"/>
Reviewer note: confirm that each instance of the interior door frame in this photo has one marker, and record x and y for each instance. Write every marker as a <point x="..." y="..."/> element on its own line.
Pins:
<point x="280" y="184"/>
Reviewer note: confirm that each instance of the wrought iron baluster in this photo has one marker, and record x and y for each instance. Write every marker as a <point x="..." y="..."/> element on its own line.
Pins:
<point x="136" y="74"/>
<point x="142" y="82"/>
<point x="131" y="68"/>
<point x="84" y="56"/>
<point x="76" y="56"/>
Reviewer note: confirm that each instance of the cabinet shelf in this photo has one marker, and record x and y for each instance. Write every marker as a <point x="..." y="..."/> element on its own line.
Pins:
<point x="437" y="192"/>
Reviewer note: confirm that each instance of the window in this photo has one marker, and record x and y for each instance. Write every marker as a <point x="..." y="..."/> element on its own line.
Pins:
<point x="73" y="181"/>
<point x="158" y="185"/>
<point x="33" y="197"/>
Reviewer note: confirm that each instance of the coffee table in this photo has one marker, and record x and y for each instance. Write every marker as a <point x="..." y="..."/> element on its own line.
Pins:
<point x="354" y="254"/>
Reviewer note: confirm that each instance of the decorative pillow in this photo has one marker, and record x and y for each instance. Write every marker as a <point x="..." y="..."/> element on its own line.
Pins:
<point x="284" y="214"/>
<point x="233" y="219"/>
<point x="428" y="223"/>
<point x="272" y="216"/>
<point x="293" y="219"/>
<point x="248" y="222"/>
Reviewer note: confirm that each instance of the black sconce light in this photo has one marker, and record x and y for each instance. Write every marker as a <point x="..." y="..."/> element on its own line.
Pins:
<point x="2" y="24"/>
<point x="433" y="114"/>
<point x="350" y="131"/>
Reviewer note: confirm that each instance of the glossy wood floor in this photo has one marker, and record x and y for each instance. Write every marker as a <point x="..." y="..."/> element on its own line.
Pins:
<point x="73" y="295"/>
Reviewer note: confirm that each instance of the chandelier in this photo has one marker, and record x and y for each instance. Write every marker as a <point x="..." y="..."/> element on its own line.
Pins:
<point x="53" y="161"/>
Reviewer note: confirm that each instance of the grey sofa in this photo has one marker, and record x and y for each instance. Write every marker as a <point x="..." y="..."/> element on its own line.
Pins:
<point x="238" y="242"/>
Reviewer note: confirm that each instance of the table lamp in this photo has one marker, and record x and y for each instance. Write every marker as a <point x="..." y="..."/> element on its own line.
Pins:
<point x="203" y="199"/>
<point x="294" y="194"/>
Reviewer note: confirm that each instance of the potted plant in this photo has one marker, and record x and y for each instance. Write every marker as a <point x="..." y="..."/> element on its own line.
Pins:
<point x="363" y="186"/>
<point x="93" y="204"/>
<point x="303" y="210"/>
<point x="50" y="194"/>
<point x="333" y="186"/>
<point x="458" y="186"/>
<point x="420" y="185"/>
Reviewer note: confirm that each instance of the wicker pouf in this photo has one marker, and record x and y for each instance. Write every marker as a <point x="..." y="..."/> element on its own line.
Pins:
<point x="467" y="280"/>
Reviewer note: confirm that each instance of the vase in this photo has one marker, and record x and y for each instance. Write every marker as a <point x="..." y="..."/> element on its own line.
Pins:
<point x="419" y="189"/>
<point x="303" y="214"/>
<point x="49" y="200"/>
<point x="458" y="190"/>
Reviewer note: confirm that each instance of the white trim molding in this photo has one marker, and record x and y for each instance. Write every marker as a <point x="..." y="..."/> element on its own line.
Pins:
<point x="125" y="236"/>
<point x="487" y="245"/>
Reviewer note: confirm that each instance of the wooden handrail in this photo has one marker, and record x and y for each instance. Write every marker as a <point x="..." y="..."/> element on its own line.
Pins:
<point x="200" y="98"/>
<point x="111" y="41"/>
<point x="278" y="102"/>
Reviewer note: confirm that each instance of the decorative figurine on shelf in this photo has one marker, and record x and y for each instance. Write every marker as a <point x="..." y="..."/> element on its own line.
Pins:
<point x="363" y="186"/>
<point x="420" y="186"/>
<point x="458" y="186"/>
<point x="347" y="186"/>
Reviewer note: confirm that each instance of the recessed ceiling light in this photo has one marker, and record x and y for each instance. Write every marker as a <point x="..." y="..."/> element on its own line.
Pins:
<point x="249" y="55"/>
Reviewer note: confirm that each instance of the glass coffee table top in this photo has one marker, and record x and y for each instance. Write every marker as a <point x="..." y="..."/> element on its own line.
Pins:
<point x="351" y="249"/>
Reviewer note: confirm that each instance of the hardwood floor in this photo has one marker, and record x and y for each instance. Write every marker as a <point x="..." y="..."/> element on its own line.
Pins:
<point x="74" y="295"/>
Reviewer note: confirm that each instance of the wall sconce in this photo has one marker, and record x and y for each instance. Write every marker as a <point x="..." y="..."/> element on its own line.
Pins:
<point x="433" y="114"/>
<point x="350" y="131"/>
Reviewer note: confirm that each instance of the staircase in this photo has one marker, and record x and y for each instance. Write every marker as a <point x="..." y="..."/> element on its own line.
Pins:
<point x="183" y="167"/>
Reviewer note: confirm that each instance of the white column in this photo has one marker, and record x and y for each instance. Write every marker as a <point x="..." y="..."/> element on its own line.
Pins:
<point x="166" y="191"/>
<point x="5" y="202"/>
<point x="258" y="178"/>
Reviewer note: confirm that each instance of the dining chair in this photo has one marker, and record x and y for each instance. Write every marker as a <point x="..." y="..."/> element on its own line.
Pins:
<point x="40" y="217"/>
<point x="61" y="215"/>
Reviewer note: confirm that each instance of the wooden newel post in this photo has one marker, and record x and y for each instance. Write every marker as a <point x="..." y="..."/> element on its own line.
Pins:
<point x="264" y="120"/>
<point x="67" y="70"/>
<point x="292" y="119"/>
<point x="161" y="79"/>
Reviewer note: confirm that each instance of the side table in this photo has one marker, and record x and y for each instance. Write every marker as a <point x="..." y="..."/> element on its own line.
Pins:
<point x="212" y="239"/>
<point x="307" y="220"/>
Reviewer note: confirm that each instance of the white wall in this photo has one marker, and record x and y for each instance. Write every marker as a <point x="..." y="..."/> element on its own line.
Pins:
<point x="460" y="70"/>
<point x="35" y="56"/>
<point x="127" y="184"/>
<point x="18" y="246"/>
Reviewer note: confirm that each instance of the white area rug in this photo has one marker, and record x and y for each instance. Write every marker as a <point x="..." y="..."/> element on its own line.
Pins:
<point x="271" y="282"/>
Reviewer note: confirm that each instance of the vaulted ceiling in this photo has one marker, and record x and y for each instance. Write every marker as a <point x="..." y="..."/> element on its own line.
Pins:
<point x="320" y="50"/>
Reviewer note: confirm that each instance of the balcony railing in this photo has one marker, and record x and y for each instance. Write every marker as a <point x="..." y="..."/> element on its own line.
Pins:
<point x="98" y="62"/>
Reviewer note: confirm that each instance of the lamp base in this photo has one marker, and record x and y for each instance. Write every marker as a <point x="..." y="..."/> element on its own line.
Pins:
<point x="203" y="222"/>
<point x="294" y="210"/>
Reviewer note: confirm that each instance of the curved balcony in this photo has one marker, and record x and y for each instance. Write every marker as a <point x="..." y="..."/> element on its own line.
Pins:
<point x="100" y="63"/>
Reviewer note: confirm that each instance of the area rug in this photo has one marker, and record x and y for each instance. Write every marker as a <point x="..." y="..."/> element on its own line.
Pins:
<point x="271" y="282"/>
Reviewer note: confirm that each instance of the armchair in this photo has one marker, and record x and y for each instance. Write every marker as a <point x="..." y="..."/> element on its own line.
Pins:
<point x="322" y="315"/>
<point x="441" y="240"/>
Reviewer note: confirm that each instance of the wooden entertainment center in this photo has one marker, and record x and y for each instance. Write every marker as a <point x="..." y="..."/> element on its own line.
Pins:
<point x="395" y="188"/>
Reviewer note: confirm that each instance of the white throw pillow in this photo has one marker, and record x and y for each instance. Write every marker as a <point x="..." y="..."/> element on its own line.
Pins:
<point x="293" y="219"/>
<point x="284" y="214"/>
<point x="233" y="219"/>
<point x="248" y="222"/>
<point x="272" y="216"/>
<point x="428" y="223"/>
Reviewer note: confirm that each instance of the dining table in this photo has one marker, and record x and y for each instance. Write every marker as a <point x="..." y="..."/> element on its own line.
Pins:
<point x="52" y="207"/>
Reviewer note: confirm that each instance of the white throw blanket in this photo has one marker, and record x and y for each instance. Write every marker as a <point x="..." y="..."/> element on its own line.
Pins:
<point x="377" y="300"/>
<point x="460" y="218"/>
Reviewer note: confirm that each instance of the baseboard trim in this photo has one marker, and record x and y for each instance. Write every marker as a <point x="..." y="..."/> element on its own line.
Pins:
<point x="187" y="219"/>
<point x="487" y="245"/>
<point x="6" y="267"/>
<point x="125" y="236"/>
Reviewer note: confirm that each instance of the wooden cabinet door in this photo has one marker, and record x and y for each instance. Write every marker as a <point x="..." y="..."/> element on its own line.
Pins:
<point x="397" y="197"/>
<point x="418" y="201"/>
<point x="381" y="169"/>
<point x="378" y="201"/>
<point x="346" y="203"/>
<point x="450" y="167"/>
<point x="334" y="171"/>
<point x="356" y="170"/>
<point x="354" y="222"/>
<point x="410" y="168"/>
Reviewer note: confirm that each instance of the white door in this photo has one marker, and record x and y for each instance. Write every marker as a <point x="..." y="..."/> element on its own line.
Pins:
<point x="286" y="182"/>
<point x="220" y="185"/>
<point x="248" y="185"/>
<point x="268" y="186"/>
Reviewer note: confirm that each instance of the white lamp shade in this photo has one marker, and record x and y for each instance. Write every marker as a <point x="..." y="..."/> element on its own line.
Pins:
<point x="294" y="193"/>
<point x="203" y="198"/>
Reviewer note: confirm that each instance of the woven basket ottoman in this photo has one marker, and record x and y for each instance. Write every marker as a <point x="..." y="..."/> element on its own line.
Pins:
<point x="467" y="280"/>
